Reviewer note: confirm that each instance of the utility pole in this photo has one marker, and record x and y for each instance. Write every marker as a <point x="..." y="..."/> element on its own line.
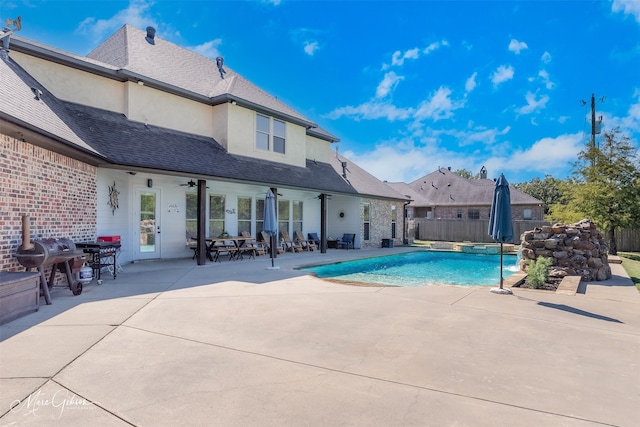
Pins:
<point x="594" y="128"/>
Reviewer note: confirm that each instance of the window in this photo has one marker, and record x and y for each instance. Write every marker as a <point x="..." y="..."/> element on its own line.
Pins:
<point x="474" y="213"/>
<point x="278" y="136"/>
<point x="527" y="214"/>
<point x="394" y="219"/>
<point x="244" y="214"/>
<point x="216" y="215"/>
<point x="366" y="221"/>
<point x="262" y="132"/>
<point x="283" y="215"/>
<point x="191" y="202"/>
<point x="459" y="214"/>
<point x="297" y="216"/>
<point x="270" y="134"/>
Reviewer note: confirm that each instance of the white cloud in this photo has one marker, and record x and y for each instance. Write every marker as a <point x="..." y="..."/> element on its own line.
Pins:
<point x="549" y="153"/>
<point x="502" y="74"/>
<point x="310" y="47"/>
<point x="398" y="57"/>
<point x="516" y="46"/>
<point x="628" y="7"/>
<point x="434" y="46"/>
<point x="544" y="76"/>
<point x="136" y="14"/>
<point x="387" y="84"/>
<point x="439" y="106"/>
<point x="372" y="111"/>
<point x="470" y="84"/>
<point x="533" y="104"/>
<point x="546" y="57"/>
<point x="208" y="49"/>
<point x="488" y="137"/>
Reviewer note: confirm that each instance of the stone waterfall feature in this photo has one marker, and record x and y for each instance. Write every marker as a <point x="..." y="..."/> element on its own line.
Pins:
<point x="575" y="250"/>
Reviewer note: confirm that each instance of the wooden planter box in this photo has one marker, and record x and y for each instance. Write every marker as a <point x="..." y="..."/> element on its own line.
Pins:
<point x="19" y="294"/>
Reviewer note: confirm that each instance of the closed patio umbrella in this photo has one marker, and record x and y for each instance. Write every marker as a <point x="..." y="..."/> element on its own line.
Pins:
<point x="500" y="223"/>
<point x="270" y="225"/>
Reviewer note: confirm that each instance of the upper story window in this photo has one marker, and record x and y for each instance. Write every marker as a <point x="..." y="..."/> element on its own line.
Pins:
<point x="270" y="134"/>
<point x="527" y="214"/>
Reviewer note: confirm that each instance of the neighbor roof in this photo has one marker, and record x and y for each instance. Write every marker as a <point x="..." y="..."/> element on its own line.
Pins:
<point x="445" y="188"/>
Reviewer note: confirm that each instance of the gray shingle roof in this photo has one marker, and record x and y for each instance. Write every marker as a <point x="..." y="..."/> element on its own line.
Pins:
<point x="169" y="63"/>
<point x="134" y="144"/>
<point x="362" y="181"/>
<point x="48" y="114"/>
<point x="445" y="188"/>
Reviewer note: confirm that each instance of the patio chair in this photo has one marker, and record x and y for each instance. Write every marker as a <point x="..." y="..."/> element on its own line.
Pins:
<point x="348" y="240"/>
<point x="307" y="244"/>
<point x="315" y="238"/>
<point x="289" y="244"/>
<point x="266" y="241"/>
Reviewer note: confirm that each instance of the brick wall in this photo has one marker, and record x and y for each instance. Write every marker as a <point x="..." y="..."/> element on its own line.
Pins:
<point x="451" y="212"/>
<point x="57" y="192"/>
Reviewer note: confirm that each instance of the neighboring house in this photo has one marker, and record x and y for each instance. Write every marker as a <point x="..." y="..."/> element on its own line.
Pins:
<point x="445" y="195"/>
<point x="133" y="138"/>
<point x="446" y="206"/>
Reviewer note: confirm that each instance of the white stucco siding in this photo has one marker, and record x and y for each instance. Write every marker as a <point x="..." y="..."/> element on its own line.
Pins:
<point x="318" y="149"/>
<point x="349" y="222"/>
<point x="219" y="119"/>
<point x="162" y="109"/>
<point x="74" y="85"/>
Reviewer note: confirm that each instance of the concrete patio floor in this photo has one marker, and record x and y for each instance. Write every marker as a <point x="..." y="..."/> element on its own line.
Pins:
<point x="234" y="344"/>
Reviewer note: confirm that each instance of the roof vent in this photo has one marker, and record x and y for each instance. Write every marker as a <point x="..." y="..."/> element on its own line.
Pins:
<point x="37" y="92"/>
<point x="220" y="64"/>
<point x="151" y="35"/>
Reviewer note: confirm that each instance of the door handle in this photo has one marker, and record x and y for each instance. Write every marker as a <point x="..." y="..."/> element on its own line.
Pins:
<point x="158" y="230"/>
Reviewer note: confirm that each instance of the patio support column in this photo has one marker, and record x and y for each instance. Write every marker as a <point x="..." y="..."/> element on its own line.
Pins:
<point x="273" y="240"/>
<point x="323" y="223"/>
<point x="201" y="222"/>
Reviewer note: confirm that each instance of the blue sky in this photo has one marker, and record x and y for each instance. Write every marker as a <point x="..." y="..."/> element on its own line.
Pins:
<point x="407" y="86"/>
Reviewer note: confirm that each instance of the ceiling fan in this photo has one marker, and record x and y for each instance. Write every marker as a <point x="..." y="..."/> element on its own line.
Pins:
<point x="190" y="184"/>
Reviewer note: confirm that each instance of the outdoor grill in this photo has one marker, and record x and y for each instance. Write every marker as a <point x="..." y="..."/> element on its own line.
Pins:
<point x="48" y="252"/>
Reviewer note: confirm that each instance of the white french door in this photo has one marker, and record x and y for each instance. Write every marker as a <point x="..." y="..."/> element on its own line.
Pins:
<point x="148" y="217"/>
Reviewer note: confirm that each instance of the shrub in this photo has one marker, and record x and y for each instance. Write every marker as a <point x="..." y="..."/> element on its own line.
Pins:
<point x="539" y="272"/>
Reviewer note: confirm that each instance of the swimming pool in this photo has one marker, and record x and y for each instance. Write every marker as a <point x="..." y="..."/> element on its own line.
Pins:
<point x="421" y="268"/>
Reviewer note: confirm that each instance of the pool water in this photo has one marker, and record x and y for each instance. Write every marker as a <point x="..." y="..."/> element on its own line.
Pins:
<point x="421" y="268"/>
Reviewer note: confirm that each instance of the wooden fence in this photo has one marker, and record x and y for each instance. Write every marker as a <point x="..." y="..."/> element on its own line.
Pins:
<point x="628" y="240"/>
<point x="453" y="230"/>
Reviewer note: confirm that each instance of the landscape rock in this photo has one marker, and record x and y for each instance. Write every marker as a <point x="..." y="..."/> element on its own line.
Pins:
<point x="574" y="249"/>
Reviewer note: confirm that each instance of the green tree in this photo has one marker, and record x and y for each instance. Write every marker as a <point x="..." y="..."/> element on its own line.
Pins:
<point x="606" y="186"/>
<point x="548" y="190"/>
<point x="466" y="173"/>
